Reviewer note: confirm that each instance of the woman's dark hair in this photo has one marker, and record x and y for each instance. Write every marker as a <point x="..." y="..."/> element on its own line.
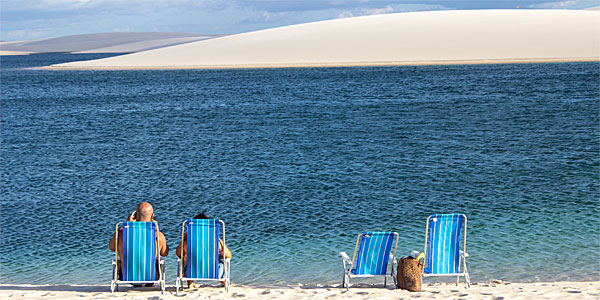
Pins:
<point x="201" y="216"/>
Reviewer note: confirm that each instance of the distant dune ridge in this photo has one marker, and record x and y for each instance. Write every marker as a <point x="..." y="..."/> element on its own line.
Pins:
<point x="435" y="37"/>
<point x="110" y="42"/>
<point x="145" y="45"/>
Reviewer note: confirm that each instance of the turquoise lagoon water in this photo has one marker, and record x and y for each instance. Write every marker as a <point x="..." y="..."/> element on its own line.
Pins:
<point x="298" y="161"/>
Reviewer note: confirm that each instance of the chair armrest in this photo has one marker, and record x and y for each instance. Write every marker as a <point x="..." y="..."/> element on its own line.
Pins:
<point x="464" y="254"/>
<point x="227" y="260"/>
<point x="162" y="260"/>
<point x="345" y="257"/>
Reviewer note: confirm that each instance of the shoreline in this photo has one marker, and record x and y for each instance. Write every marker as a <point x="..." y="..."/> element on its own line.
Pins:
<point x="12" y="53"/>
<point x="480" y="290"/>
<point x="326" y="65"/>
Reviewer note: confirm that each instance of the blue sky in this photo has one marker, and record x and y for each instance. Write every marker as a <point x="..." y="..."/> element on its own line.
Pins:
<point x="36" y="19"/>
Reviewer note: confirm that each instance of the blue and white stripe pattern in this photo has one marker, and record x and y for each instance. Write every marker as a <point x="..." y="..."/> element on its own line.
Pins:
<point x="139" y="251"/>
<point x="443" y="244"/>
<point x="373" y="253"/>
<point x="202" y="249"/>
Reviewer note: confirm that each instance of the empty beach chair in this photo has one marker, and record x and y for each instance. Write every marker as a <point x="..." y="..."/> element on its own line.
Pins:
<point x="444" y="255"/>
<point x="141" y="262"/>
<point x="203" y="262"/>
<point x="371" y="258"/>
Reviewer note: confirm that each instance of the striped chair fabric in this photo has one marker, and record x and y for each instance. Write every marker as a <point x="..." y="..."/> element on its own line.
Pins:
<point x="139" y="251"/>
<point x="202" y="249"/>
<point x="443" y="244"/>
<point x="373" y="253"/>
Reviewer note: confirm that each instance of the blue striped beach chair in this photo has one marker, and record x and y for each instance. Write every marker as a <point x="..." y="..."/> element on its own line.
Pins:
<point x="444" y="235"/>
<point x="203" y="261"/>
<point x="141" y="262"/>
<point x="372" y="254"/>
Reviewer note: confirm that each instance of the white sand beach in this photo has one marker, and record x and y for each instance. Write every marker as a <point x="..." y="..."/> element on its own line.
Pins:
<point x="541" y="290"/>
<point x="2" y="52"/>
<point x="419" y="38"/>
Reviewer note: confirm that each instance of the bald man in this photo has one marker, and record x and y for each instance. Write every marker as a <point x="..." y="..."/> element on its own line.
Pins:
<point x="143" y="213"/>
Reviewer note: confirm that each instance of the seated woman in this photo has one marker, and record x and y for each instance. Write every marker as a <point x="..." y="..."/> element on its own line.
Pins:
<point x="224" y="252"/>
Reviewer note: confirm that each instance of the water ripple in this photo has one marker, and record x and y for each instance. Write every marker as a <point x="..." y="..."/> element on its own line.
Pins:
<point x="298" y="161"/>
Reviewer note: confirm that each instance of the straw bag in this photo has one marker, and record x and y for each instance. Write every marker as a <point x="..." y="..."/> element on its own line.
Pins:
<point x="409" y="274"/>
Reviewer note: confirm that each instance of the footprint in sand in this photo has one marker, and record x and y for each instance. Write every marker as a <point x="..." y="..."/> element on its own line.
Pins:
<point x="31" y="295"/>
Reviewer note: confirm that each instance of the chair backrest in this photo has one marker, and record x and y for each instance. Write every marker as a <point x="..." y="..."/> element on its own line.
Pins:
<point x="442" y="248"/>
<point x="202" y="248"/>
<point x="374" y="253"/>
<point x="139" y="251"/>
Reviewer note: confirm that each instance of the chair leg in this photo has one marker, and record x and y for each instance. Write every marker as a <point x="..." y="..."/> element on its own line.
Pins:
<point x="162" y="280"/>
<point x="384" y="281"/>
<point x="347" y="283"/>
<point x="467" y="278"/>
<point x="113" y="282"/>
<point x="227" y="267"/>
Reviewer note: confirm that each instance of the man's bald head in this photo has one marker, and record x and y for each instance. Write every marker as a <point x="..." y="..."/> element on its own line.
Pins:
<point x="144" y="212"/>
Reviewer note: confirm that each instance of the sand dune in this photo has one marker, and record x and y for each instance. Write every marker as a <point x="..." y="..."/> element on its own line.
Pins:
<point x="471" y="36"/>
<point x="104" y="42"/>
<point x="145" y="45"/>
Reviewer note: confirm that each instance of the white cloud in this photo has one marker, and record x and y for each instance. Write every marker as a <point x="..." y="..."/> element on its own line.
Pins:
<point x="122" y="29"/>
<point x="377" y="11"/>
<point x="389" y="9"/>
<point x="556" y="5"/>
<point x="16" y="35"/>
<point x="366" y="12"/>
<point x="265" y="16"/>
<point x="345" y="14"/>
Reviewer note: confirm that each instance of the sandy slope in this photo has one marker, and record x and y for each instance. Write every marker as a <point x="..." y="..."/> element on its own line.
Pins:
<point x="552" y="290"/>
<point x="470" y="36"/>
<point x="145" y="45"/>
<point x="100" y="42"/>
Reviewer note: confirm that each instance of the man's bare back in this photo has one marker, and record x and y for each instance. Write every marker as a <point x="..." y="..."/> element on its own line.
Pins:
<point x="143" y="213"/>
